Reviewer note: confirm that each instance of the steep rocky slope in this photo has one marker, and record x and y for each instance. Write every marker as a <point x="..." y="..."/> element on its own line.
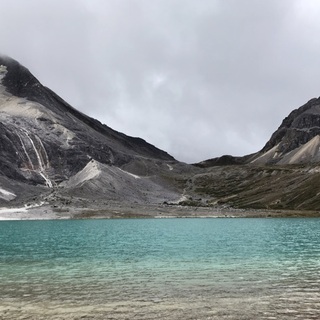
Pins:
<point x="283" y="175"/>
<point x="44" y="141"/>
<point x="296" y="141"/>
<point x="298" y="128"/>
<point x="51" y="153"/>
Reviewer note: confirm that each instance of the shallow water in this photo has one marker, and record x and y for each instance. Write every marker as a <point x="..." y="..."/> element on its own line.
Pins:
<point x="160" y="269"/>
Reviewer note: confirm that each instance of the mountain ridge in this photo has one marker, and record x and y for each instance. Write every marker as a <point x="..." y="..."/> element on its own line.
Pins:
<point x="44" y="142"/>
<point x="55" y="155"/>
<point x="296" y="130"/>
<point x="41" y="112"/>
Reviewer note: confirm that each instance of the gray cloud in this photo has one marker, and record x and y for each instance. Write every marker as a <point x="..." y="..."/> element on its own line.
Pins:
<point x="196" y="78"/>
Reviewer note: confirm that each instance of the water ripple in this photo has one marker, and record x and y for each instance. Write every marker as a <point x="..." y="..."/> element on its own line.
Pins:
<point x="160" y="269"/>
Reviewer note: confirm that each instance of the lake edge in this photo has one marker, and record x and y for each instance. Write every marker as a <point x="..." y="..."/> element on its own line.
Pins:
<point x="135" y="211"/>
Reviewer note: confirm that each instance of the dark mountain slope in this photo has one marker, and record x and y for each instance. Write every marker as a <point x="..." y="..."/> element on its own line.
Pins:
<point x="300" y="126"/>
<point x="21" y="83"/>
<point x="45" y="140"/>
<point x="283" y="175"/>
<point x="296" y="141"/>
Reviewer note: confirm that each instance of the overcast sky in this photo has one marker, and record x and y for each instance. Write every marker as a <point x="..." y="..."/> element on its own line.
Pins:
<point x="196" y="78"/>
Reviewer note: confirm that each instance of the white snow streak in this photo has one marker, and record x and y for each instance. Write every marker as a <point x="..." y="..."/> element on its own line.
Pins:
<point x="43" y="151"/>
<point x="170" y="167"/>
<point x="41" y="164"/>
<point x="130" y="174"/>
<point x="6" y="195"/>
<point x="25" y="151"/>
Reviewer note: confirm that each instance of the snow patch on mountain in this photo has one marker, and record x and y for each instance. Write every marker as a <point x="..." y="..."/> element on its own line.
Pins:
<point x="170" y="167"/>
<point x="130" y="174"/>
<point x="35" y="154"/>
<point x="6" y="195"/>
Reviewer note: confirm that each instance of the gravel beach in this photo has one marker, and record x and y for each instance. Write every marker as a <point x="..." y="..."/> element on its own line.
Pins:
<point x="120" y="210"/>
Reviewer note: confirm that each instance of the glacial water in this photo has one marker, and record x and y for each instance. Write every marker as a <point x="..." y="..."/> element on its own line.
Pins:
<point x="160" y="269"/>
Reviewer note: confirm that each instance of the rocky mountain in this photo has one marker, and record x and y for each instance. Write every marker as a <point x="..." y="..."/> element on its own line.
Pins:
<point x="56" y="157"/>
<point x="48" y="145"/>
<point x="285" y="174"/>
<point x="297" y="141"/>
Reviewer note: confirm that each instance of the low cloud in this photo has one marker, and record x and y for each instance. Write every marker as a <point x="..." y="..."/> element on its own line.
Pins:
<point x="198" y="79"/>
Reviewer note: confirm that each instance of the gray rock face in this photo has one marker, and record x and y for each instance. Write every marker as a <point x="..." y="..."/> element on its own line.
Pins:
<point x="293" y="143"/>
<point x="44" y="140"/>
<point x="297" y="129"/>
<point x="51" y="153"/>
<point x="294" y="139"/>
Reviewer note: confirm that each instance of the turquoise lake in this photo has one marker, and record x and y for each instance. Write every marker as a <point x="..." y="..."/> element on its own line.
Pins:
<point x="160" y="269"/>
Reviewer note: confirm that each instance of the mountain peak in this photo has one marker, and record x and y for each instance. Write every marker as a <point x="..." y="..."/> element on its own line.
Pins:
<point x="20" y="82"/>
<point x="300" y="126"/>
<point x="296" y="130"/>
<point x="44" y="140"/>
<point x="295" y="141"/>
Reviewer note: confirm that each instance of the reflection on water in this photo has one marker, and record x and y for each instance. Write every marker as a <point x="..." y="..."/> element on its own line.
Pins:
<point x="160" y="269"/>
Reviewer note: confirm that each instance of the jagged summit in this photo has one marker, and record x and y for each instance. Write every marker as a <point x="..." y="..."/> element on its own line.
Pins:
<point x="284" y="175"/>
<point x="296" y="141"/>
<point x="18" y="80"/>
<point x="296" y="132"/>
<point x="300" y="126"/>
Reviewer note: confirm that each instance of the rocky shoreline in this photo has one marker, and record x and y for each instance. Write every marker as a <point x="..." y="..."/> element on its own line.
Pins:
<point x="127" y="211"/>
